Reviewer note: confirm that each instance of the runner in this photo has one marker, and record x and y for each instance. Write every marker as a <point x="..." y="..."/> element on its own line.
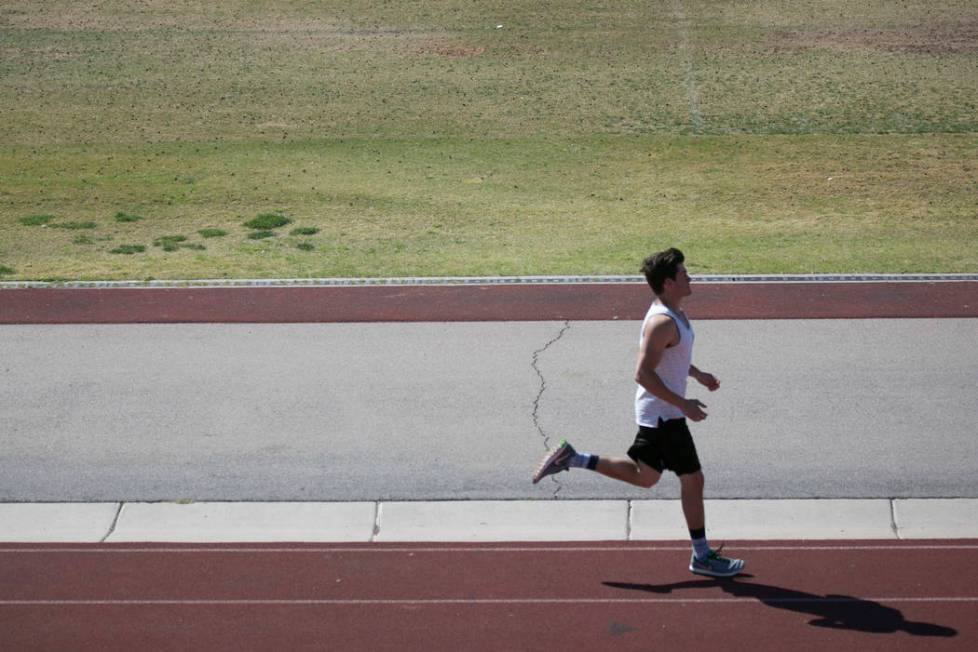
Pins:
<point x="661" y="409"/>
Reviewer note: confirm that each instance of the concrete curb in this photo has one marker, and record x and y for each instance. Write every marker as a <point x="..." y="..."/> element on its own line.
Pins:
<point x="483" y="280"/>
<point x="460" y="521"/>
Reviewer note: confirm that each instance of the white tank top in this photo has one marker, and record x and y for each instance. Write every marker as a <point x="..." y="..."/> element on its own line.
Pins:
<point x="673" y="369"/>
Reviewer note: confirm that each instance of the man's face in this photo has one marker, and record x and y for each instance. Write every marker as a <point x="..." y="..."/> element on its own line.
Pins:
<point x="680" y="286"/>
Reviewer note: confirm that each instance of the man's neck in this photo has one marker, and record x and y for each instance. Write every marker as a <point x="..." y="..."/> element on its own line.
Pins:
<point x="672" y="303"/>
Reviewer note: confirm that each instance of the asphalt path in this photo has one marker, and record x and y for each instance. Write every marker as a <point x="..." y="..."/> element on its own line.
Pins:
<point x="410" y="411"/>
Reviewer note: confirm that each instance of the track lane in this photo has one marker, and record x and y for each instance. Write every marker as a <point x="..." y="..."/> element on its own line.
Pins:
<point x="520" y="302"/>
<point x="486" y="597"/>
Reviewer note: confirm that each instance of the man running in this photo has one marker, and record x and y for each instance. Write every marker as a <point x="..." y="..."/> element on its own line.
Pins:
<point x="661" y="409"/>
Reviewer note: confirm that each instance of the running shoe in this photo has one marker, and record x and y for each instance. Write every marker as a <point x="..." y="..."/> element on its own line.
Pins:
<point x="716" y="565"/>
<point x="555" y="461"/>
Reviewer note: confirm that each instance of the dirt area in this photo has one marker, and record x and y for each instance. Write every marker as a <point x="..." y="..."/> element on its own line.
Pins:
<point x="947" y="38"/>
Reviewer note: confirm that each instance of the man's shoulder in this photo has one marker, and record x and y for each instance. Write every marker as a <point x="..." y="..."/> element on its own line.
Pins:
<point x="661" y="325"/>
<point x="660" y="318"/>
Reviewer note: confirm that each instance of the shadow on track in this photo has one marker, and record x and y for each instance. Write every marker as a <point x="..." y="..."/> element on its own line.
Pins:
<point x="832" y="611"/>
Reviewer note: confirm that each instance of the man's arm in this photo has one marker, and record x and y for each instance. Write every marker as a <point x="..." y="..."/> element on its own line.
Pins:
<point x="659" y="333"/>
<point x="708" y="381"/>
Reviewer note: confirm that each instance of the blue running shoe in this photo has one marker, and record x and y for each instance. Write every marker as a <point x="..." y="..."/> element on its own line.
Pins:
<point x="716" y="565"/>
<point x="555" y="461"/>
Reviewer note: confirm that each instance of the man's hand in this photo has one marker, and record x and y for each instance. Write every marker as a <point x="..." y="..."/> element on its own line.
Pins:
<point x="693" y="409"/>
<point x="708" y="381"/>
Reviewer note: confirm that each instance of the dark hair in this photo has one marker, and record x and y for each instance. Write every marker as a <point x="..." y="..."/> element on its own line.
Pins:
<point x="660" y="266"/>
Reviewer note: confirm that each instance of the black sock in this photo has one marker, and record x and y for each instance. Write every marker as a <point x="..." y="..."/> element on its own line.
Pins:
<point x="701" y="548"/>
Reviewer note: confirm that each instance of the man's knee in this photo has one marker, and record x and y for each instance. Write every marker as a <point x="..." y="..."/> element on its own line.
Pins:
<point x="647" y="481"/>
<point x="693" y="481"/>
<point x="647" y="476"/>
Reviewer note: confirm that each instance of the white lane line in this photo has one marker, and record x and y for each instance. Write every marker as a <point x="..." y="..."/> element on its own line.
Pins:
<point x="374" y="549"/>
<point x="489" y="601"/>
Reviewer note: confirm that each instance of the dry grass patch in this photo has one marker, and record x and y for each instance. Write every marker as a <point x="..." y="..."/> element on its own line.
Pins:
<point x="950" y="38"/>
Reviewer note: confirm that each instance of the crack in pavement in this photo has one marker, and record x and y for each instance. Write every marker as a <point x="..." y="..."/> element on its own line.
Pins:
<point x="536" y="402"/>
<point x="115" y="523"/>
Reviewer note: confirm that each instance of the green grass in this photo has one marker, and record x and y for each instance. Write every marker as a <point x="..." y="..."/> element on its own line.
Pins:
<point x="267" y="221"/>
<point x="589" y="206"/>
<point x="74" y="226"/>
<point x="418" y="139"/>
<point x="169" y="242"/>
<point x="36" y="220"/>
<point x="128" y="249"/>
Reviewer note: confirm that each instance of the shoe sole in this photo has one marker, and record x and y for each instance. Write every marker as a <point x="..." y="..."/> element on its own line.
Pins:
<point x="539" y="475"/>
<point x="698" y="571"/>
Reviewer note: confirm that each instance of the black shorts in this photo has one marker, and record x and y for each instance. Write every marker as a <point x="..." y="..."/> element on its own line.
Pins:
<point x="669" y="446"/>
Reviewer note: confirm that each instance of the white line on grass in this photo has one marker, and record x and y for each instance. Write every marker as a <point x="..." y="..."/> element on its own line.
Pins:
<point x="689" y="73"/>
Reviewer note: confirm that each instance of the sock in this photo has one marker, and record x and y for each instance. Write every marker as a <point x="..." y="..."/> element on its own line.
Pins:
<point x="700" y="546"/>
<point x="584" y="461"/>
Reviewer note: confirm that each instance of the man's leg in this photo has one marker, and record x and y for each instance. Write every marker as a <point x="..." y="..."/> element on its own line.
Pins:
<point x="691" y="487"/>
<point x="628" y="470"/>
<point x="691" y="497"/>
<point x="704" y="561"/>
<point x="564" y="457"/>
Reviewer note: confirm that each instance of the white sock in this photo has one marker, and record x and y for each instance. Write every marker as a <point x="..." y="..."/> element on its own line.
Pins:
<point x="701" y="548"/>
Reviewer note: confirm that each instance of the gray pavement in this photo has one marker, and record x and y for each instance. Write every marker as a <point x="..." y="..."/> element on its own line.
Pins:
<point x="433" y="411"/>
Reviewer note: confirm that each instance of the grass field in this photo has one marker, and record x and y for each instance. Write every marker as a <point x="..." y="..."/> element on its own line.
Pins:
<point x="490" y="138"/>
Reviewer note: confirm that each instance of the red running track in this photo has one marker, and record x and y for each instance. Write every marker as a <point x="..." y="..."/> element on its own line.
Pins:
<point x="862" y="595"/>
<point x="522" y="302"/>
